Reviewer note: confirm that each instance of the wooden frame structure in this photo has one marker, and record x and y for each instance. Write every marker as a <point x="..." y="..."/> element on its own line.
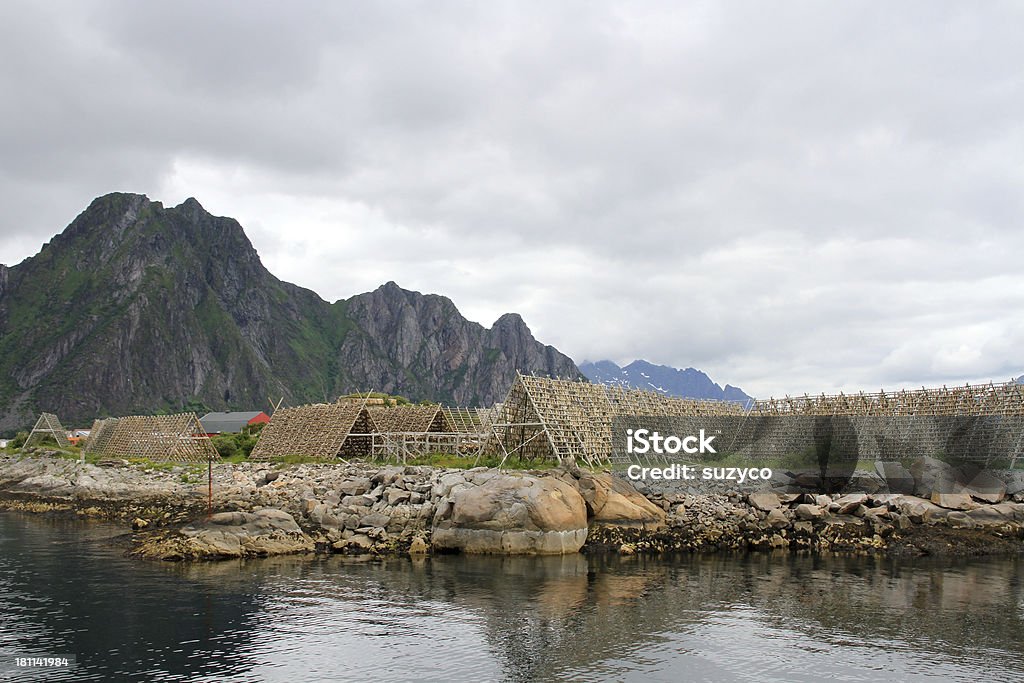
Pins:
<point x="366" y="428"/>
<point x="468" y="420"/>
<point x="48" y="425"/>
<point x="569" y="420"/>
<point x="100" y="434"/>
<point x="1004" y="398"/>
<point x="171" y="438"/>
<point x="981" y="423"/>
<point x="407" y="418"/>
<point x="319" y="430"/>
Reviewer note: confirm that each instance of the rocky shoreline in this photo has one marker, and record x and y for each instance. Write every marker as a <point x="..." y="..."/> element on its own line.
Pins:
<point x="262" y="509"/>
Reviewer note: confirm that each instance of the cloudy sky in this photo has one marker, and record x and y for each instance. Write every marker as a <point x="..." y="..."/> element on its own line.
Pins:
<point x="790" y="196"/>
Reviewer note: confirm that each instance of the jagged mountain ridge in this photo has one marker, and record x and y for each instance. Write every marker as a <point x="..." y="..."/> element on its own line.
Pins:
<point x="640" y="374"/>
<point x="136" y="308"/>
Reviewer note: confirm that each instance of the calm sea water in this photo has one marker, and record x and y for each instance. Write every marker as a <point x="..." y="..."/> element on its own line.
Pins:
<point x="66" y="590"/>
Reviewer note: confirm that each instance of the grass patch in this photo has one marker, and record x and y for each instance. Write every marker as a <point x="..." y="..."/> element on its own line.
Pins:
<point x="147" y="464"/>
<point x="446" y="460"/>
<point x="452" y="461"/>
<point x="297" y="459"/>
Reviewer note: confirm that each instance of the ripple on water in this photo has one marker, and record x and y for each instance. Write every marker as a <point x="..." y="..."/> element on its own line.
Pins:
<point x="66" y="590"/>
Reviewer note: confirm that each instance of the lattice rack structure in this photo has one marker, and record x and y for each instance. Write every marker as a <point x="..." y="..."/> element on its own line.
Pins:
<point x="48" y="425"/>
<point x="172" y="438"/>
<point x="572" y="421"/>
<point x="1004" y="398"/>
<point x="569" y="420"/>
<point x="99" y="435"/>
<point x="321" y="430"/>
<point x="403" y="432"/>
<point x="980" y="422"/>
<point x="371" y="430"/>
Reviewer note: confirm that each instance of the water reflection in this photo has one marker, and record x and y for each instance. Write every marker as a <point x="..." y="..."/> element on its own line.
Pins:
<point x="714" y="617"/>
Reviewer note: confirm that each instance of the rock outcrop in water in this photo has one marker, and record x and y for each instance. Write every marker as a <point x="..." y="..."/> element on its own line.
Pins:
<point x="365" y="508"/>
<point x="515" y="515"/>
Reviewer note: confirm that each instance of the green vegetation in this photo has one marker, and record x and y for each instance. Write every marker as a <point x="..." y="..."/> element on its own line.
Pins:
<point x="239" y="445"/>
<point x="447" y="460"/>
<point x="463" y="462"/>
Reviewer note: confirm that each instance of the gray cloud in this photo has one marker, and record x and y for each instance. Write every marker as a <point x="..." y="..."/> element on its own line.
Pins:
<point x="793" y="197"/>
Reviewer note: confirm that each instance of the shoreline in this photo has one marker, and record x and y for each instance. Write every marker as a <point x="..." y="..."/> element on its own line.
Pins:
<point x="365" y="508"/>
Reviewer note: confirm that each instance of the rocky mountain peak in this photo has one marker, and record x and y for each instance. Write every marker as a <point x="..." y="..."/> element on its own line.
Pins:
<point x="640" y="374"/>
<point x="142" y="308"/>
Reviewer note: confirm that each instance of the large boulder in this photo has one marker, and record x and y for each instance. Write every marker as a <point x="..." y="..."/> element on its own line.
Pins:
<point x="808" y="512"/>
<point x="984" y="486"/>
<point x="920" y="511"/>
<point x="766" y="501"/>
<point x="897" y="478"/>
<point x="612" y="501"/>
<point x="262" y="532"/>
<point x="932" y="475"/>
<point x="513" y="514"/>
<point x="1014" y="482"/>
<point x="1002" y="513"/>
<point x="848" y="504"/>
<point x="954" y="501"/>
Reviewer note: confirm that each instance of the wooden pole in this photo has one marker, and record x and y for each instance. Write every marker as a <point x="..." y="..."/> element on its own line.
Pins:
<point x="209" y="488"/>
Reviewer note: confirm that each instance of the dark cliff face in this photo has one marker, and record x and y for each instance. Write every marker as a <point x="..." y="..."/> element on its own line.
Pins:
<point x="440" y="353"/>
<point x="136" y="307"/>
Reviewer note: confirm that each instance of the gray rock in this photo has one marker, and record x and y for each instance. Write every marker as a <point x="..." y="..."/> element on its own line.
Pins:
<point x="318" y="512"/>
<point x="920" y="510"/>
<point x="395" y="496"/>
<point x="934" y="476"/>
<point x="845" y="505"/>
<point x="514" y="514"/>
<point x="375" y="519"/>
<point x="1014" y="482"/>
<point x="764" y="500"/>
<point x="808" y="512"/>
<point x="776" y="519"/>
<point x="954" y="501"/>
<point x="957" y="519"/>
<point x="881" y="511"/>
<point x="444" y="485"/>
<point x="355" y="487"/>
<point x="897" y="478"/>
<point x="890" y="500"/>
<point x="807" y="480"/>
<point x="237" y="534"/>
<point x="984" y="486"/>
<point x="354" y="542"/>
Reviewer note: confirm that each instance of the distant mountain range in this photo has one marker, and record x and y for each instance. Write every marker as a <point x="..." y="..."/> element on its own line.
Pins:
<point x="640" y="374"/>
<point x="136" y="307"/>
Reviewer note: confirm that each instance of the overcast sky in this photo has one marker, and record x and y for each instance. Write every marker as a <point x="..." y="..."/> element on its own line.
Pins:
<point x="789" y="196"/>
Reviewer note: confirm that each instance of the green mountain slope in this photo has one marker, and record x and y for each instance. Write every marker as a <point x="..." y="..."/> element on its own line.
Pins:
<point x="138" y="308"/>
